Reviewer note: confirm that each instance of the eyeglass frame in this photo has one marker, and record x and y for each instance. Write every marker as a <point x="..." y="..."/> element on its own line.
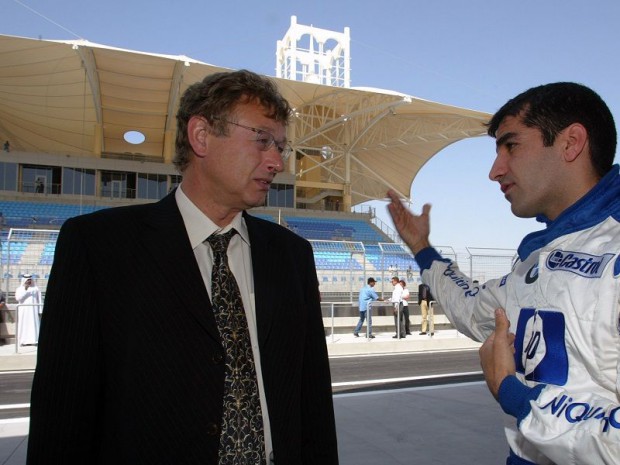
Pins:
<point x="284" y="151"/>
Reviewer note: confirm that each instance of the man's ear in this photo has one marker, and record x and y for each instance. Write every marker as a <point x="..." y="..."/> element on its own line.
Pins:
<point x="575" y="141"/>
<point x="198" y="129"/>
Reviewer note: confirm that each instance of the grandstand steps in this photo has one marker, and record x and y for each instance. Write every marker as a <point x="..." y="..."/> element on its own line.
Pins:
<point x="33" y="252"/>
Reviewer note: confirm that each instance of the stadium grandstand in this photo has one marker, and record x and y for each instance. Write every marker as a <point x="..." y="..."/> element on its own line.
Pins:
<point x="86" y="126"/>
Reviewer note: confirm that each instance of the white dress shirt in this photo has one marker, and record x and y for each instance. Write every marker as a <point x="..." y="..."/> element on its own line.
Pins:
<point x="199" y="227"/>
<point x="397" y="293"/>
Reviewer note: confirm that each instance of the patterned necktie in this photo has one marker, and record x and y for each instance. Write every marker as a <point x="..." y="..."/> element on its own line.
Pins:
<point x="242" y="440"/>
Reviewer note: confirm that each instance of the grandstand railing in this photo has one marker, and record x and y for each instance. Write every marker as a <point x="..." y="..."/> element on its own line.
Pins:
<point x="385" y="228"/>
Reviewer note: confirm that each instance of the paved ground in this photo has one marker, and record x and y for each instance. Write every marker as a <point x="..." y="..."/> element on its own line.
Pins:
<point x="383" y="343"/>
<point x="450" y="424"/>
<point x="455" y="423"/>
<point x="337" y="344"/>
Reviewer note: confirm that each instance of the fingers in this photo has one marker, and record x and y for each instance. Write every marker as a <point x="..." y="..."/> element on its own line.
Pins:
<point x="497" y="353"/>
<point x="502" y="324"/>
<point x="396" y="205"/>
<point x="393" y="196"/>
<point x="413" y="229"/>
<point x="486" y="349"/>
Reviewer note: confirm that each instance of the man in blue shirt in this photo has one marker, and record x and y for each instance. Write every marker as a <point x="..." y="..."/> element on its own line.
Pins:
<point x="367" y="295"/>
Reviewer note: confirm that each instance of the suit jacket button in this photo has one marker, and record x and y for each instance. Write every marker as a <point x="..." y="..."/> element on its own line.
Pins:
<point x="213" y="429"/>
<point x="217" y="358"/>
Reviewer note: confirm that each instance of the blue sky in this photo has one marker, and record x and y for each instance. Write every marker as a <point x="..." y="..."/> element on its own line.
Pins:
<point x="475" y="54"/>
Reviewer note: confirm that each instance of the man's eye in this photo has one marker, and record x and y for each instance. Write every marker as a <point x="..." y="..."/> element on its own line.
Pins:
<point x="263" y="139"/>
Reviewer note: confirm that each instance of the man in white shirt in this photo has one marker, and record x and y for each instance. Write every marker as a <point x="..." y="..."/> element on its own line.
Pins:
<point x="405" y="298"/>
<point x="397" y="300"/>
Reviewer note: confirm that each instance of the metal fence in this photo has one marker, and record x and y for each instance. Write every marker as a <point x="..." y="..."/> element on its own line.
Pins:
<point x="27" y="252"/>
<point x="486" y="264"/>
<point x="343" y="267"/>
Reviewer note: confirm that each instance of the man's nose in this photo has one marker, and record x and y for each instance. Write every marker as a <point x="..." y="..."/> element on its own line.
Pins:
<point x="274" y="159"/>
<point x="498" y="169"/>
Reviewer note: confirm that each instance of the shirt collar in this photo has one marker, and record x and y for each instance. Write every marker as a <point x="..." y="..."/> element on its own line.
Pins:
<point x="199" y="226"/>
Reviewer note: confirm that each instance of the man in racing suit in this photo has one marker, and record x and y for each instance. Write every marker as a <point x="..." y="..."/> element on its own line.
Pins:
<point x="558" y="375"/>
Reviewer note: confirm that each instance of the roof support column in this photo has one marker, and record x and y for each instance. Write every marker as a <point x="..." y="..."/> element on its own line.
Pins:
<point x="98" y="139"/>
<point x="346" y="188"/>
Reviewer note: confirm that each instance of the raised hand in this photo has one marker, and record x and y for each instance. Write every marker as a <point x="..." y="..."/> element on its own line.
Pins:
<point x="413" y="229"/>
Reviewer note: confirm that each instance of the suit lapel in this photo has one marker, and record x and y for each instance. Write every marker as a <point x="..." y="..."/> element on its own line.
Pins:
<point x="264" y="268"/>
<point x="167" y="241"/>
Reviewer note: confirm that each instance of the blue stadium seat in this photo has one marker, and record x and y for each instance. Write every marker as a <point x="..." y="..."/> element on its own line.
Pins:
<point x="25" y="214"/>
<point x="335" y="229"/>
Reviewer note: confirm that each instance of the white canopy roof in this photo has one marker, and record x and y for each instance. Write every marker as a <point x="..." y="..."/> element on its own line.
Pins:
<point x="80" y="98"/>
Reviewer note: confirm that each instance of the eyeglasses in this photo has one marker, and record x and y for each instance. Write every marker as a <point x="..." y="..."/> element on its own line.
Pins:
<point x="265" y="139"/>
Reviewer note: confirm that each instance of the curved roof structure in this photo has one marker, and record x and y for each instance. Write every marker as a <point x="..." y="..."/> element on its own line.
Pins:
<point x="80" y="98"/>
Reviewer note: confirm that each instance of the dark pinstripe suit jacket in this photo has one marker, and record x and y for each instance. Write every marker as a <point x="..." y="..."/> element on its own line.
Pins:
<point x="129" y="366"/>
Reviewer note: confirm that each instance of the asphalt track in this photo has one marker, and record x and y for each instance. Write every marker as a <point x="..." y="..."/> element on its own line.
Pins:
<point x="415" y="408"/>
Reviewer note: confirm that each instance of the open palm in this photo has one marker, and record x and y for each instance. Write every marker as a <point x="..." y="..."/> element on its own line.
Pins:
<point x="413" y="229"/>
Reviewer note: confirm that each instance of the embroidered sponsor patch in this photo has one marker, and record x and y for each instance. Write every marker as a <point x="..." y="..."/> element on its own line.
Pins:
<point x="567" y="409"/>
<point x="582" y="264"/>
<point x="532" y="274"/>
<point x="540" y="348"/>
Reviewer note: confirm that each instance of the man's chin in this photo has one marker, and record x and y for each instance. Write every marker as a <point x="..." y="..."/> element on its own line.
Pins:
<point x="258" y="202"/>
<point x="521" y="213"/>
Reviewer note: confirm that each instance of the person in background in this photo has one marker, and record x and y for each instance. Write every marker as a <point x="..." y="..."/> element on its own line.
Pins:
<point x="367" y="295"/>
<point x="191" y="351"/>
<point x="29" y="302"/>
<point x="397" y="300"/>
<point x="551" y="355"/>
<point x="406" y="296"/>
<point x="5" y="319"/>
<point x="428" y="318"/>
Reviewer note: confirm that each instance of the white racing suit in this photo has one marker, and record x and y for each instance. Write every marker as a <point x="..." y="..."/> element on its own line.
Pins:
<point x="562" y="300"/>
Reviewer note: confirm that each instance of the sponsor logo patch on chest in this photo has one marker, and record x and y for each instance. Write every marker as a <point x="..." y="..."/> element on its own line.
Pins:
<point x="582" y="264"/>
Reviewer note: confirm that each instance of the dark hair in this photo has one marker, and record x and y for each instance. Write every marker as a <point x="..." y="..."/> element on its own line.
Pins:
<point x="553" y="107"/>
<point x="216" y="97"/>
<point x="371" y="280"/>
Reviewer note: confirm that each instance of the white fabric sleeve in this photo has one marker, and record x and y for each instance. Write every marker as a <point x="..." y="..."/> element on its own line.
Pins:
<point x="469" y="307"/>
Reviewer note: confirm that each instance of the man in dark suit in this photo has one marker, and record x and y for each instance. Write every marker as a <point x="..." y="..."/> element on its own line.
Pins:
<point x="131" y="366"/>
